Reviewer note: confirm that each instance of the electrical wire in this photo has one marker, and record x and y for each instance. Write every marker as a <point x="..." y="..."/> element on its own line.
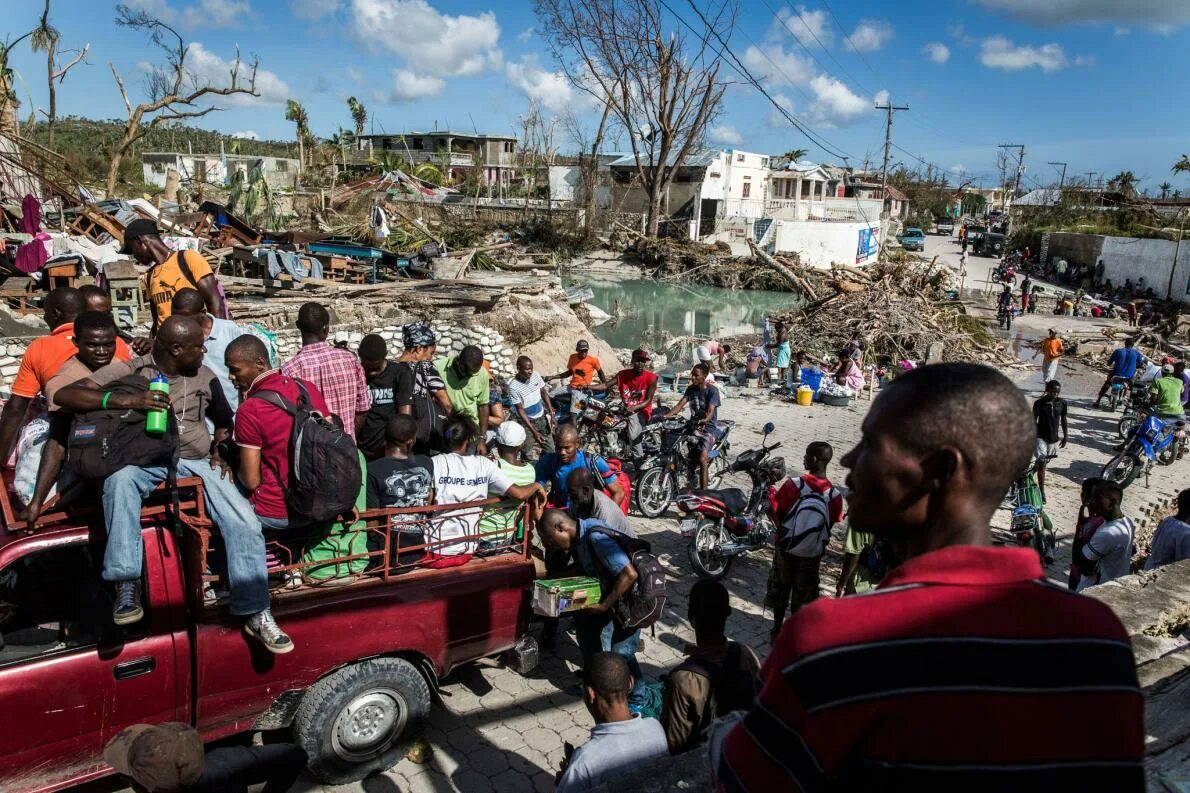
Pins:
<point x="831" y="55"/>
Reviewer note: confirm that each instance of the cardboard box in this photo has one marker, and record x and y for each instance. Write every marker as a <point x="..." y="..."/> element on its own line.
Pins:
<point x="555" y="596"/>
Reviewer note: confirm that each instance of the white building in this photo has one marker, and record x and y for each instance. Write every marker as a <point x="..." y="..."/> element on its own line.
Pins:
<point x="217" y="169"/>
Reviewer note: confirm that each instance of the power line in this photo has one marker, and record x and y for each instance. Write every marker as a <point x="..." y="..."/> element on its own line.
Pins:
<point x="848" y="39"/>
<point x="810" y="30"/>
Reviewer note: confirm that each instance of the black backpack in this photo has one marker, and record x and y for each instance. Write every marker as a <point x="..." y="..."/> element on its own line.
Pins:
<point x="324" y="469"/>
<point x="644" y="604"/>
<point x="102" y="442"/>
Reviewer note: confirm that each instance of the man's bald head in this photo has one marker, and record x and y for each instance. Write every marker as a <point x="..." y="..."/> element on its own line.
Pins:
<point x="941" y="445"/>
<point x="178" y="330"/>
<point x="188" y="303"/>
<point x="566" y="432"/>
<point x="62" y="305"/>
<point x="580" y="489"/>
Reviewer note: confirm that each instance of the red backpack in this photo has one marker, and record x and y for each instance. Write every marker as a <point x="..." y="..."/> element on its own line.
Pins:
<point x="617" y="468"/>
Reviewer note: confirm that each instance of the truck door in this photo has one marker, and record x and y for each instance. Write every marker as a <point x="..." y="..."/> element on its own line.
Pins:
<point x="70" y="679"/>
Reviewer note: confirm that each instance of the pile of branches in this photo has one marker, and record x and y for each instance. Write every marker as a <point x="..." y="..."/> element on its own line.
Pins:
<point x="899" y="309"/>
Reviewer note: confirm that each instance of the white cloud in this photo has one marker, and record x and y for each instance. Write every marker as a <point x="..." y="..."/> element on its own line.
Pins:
<point x="957" y="32"/>
<point x="408" y="85"/>
<point x="1122" y="31"/>
<point x="870" y="35"/>
<point x="313" y="9"/>
<point x="776" y="119"/>
<point x="958" y="168"/>
<point x="551" y="89"/>
<point x="526" y="34"/>
<point x="726" y="135"/>
<point x="209" y="68"/>
<point x="1153" y="13"/>
<point x="797" y="23"/>
<point x="835" y="105"/>
<point x="881" y="98"/>
<point x="216" y="13"/>
<point x="354" y="75"/>
<point x="248" y="134"/>
<point x="936" y="51"/>
<point x="439" y="44"/>
<point x="775" y="66"/>
<point x="1084" y="60"/>
<point x="998" y="52"/>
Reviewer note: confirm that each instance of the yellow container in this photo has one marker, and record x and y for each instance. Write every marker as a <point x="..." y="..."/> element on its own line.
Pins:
<point x="805" y="396"/>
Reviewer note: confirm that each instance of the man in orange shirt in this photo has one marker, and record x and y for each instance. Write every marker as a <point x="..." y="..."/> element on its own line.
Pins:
<point x="1051" y="348"/>
<point x="43" y="358"/>
<point x="170" y="272"/>
<point x="581" y="368"/>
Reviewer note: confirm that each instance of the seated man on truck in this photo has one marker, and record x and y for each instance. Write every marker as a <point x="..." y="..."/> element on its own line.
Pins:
<point x="195" y="395"/>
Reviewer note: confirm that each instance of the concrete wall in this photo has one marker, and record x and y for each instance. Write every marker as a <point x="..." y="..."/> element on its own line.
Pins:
<point x="1129" y="258"/>
<point x="216" y="169"/>
<point x="745" y="171"/>
<point x="819" y="244"/>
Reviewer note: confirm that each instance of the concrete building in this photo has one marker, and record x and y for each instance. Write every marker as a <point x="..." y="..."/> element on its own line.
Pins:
<point x="823" y="243"/>
<point x="279" y="172"/>
<point x="456" y="153"/>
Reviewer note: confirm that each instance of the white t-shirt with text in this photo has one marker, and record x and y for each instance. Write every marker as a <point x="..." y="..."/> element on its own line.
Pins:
<point x="459" y="479"/>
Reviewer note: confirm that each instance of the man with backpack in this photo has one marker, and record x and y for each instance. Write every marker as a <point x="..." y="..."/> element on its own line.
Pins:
<point x="632" y="597"/>
<point x="806" y="509"/>
<point x="718" y="676"/>
<point x="170" y="271"/>
<point x="264" y="429"/>
<point x="146" y="460"/>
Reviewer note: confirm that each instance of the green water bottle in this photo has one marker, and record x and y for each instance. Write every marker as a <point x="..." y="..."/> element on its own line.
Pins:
<point x="157" y="420"/>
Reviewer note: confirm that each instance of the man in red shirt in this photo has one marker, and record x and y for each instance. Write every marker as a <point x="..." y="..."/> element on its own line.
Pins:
<point x="965" y="669"/>
<point x="637" y="386"/>
<point x="262" y="429"/>
<point x="793" y="580"/>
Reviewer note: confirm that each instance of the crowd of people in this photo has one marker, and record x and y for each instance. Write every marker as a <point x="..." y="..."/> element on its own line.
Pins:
<point x="869" y="692"/>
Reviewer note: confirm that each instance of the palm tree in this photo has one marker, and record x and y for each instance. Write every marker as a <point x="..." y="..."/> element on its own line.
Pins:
<point x="1123" y="182"/>
<point x="297" y="114"/>
<point x="359" y="114"/>
<point x="1182" y="165"/>
<point x="8" y="97"/>
<point x="793" y="155"/>
<point x="1165" y="188"/>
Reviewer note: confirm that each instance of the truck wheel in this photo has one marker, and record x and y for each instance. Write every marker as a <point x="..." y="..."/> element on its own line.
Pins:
<point x="359" y="719"/>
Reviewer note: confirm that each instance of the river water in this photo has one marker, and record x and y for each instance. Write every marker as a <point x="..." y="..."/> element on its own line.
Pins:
<point x="649" y="312"/>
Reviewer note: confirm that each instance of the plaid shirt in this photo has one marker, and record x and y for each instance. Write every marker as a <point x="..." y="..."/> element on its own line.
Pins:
<point x="337" y="375"/>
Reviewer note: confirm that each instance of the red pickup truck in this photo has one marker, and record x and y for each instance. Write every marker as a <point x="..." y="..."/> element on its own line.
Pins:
<point x="367" y="660"/>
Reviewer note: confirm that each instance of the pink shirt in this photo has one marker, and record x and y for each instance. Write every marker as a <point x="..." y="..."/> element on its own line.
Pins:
<point x="337" y="375"/>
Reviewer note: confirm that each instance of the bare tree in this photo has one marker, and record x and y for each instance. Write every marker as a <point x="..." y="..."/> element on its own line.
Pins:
<point x="174" y="92"/>
<point x="537" y="147"/>
<point x="663" y="89"/>
<point x="588" y="158"/>
<point x="46" y="39"/>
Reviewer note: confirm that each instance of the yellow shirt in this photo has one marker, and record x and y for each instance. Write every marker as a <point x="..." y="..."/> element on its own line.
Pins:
<point x="167" y="278"/>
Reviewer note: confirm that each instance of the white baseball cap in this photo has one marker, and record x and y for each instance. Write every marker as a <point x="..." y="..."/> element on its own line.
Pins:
<point x="703" y="353"/>
<point x="511" y="434"/>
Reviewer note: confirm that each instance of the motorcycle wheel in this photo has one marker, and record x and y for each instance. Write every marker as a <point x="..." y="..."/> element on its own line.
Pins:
<point x="1126" y="424"/>
<point x="654" y="491"/>
<point x="715" y="471"/>
<point x="1113" y="401"/>
<point x="1121" y="469"/>
<point x="704" y="550"/>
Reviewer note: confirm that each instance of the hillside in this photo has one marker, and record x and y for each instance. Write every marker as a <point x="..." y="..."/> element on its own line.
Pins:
<point x="87" y="145"/>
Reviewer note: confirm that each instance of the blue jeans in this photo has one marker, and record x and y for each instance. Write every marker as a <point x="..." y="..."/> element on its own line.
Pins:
<point x="597" y="632"/>
<point x="125" y="491"/>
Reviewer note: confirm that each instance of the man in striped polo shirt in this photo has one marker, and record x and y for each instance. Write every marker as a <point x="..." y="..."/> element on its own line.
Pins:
<point x="965" y="670"/>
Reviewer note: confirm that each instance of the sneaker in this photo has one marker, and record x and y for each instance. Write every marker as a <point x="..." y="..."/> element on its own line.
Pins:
<point x="127" y="609"/>
<point x="264" y="629"/>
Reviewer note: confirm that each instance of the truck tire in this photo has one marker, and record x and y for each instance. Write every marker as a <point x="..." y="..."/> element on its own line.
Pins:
<point x="360" y="719"/>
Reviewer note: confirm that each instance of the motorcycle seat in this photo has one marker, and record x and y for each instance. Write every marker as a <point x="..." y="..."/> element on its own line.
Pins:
<point x="733" y="498"/>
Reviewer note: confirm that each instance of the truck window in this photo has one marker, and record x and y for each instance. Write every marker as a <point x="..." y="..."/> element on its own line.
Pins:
<point x="53" y="601"/>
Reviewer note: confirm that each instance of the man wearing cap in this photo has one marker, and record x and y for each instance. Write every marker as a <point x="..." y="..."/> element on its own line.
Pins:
<point x="1166" y="396"/>
<point x="637" y="387"/>
<point x="168" y="758"/>
<point x="581" y="368"/>
<point x="170" y="271"/>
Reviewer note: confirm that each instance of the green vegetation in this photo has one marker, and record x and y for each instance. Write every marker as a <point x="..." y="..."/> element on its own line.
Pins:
<point x="87" y="147"/>
<point x="1081" y="212"/>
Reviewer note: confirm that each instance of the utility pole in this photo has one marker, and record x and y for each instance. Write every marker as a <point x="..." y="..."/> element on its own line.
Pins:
<point x="890" y="107"/>
<point x="1061" y="183"/>
<point x="1020" y="169"/>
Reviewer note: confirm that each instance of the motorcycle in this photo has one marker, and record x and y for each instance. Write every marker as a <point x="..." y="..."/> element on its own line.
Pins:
<point x="603" y="430"/>
<point x="1006" y="274"/>
<point x="1135" y="407"/>
<point x="1119" y="393"/>
<point x="676" y="464"/>
<point x="1004" y="315"/>
<point x="1152" y="441"/>
<point x="722" y="524"/>
<point x="1031" y="527"/>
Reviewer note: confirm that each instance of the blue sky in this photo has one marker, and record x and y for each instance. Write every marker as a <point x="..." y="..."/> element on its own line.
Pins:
<point x="1099" y="84"/>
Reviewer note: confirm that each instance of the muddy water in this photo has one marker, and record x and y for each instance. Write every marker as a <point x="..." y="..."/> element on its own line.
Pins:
<point x="648" y="311"/>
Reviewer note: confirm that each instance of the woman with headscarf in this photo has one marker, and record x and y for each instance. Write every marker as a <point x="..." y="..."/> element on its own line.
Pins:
<point x="420" y="391"/>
